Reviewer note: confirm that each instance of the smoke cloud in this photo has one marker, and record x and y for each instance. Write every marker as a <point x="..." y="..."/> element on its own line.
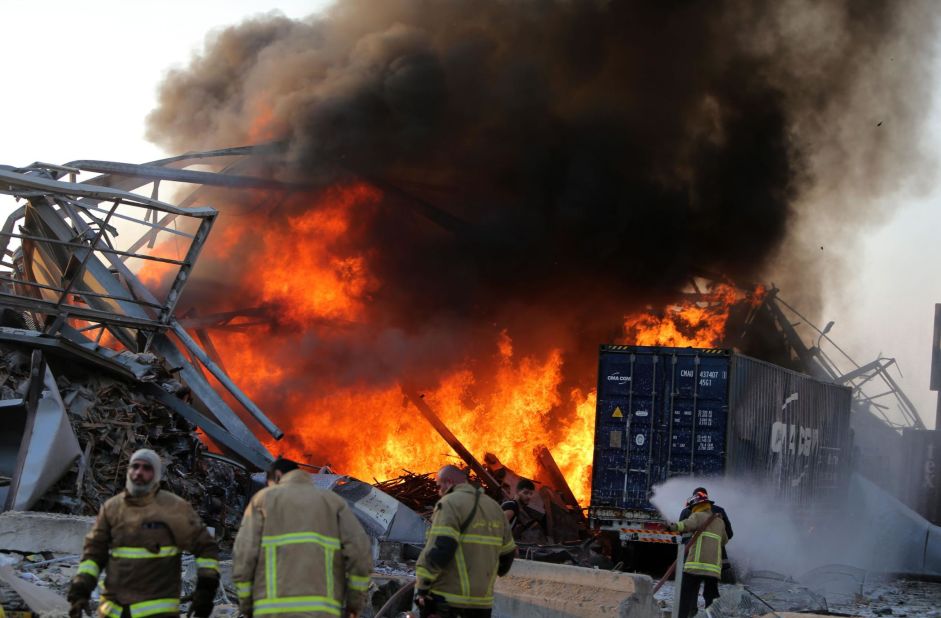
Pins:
<point x="543" y="168"/>
<point x="581" y="146"/>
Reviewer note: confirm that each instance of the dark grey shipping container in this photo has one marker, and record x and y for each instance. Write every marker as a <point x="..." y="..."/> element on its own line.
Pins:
<point x="665" y="412"/>
<point x="921" y="454"/>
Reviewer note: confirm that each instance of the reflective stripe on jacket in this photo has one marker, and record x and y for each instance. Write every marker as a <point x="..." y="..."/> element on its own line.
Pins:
<point x="705" y="555"/>
<point x="467" y="580"/>
<point x="300" y="550"/>
<point x="137" y="542"/>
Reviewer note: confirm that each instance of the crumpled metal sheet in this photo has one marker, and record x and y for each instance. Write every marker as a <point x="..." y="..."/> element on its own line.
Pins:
<point x="382" y="516"/>
<point x="52" y="448"/>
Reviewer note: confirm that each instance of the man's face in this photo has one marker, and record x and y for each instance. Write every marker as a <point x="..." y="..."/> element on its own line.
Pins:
<point x="141" y="472"/>
<point x="524" y="496"/>
<point x="443" y="485"/>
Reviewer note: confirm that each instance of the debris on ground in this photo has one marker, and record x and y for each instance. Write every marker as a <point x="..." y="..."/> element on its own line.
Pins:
<point x="112" y="418"/>
<point x="878" y="595"/>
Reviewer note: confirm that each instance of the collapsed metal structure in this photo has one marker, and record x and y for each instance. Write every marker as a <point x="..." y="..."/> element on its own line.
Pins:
<point x="76" y="285"/>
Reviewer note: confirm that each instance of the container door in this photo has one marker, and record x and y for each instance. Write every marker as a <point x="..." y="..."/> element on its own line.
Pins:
<point x="611" y="429"/>
<point x="645" y="433"/>
<point x="627" y="437"/>
<point x="698" y="407"/>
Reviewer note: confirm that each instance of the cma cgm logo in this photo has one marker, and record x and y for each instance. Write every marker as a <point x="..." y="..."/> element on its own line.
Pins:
<point x="793" y="439"/>
<point x="617" y="378"/>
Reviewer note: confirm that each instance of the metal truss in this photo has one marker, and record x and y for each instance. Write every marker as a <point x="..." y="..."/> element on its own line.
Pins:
<point x="75" y="279"/>
<point x="874" y="389"/>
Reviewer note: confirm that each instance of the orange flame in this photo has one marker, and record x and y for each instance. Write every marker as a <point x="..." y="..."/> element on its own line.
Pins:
<point x="506" y="403"/>
<point x="698" y="323"/>
<point x="314" y="282"/>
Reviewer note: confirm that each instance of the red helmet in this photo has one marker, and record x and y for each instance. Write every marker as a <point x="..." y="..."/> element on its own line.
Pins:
<point x="698" y="498"/>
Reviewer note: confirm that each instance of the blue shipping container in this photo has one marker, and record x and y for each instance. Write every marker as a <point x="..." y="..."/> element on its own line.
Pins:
<point x="665" y="412"/>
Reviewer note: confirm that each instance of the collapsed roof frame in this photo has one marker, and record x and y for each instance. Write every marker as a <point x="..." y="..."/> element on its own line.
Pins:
<point x="861" y="378"/>
<point x="69" y="268"/>
<point x="875" y="391"/>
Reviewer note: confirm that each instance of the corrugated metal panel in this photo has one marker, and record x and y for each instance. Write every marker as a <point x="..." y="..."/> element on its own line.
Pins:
<point x="665" y="412"/>
<point x="921" y="490"/>
<point x="789" y="431"/>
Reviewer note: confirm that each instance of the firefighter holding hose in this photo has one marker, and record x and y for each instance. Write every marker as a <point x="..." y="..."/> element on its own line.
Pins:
<point x="703" y="565"/>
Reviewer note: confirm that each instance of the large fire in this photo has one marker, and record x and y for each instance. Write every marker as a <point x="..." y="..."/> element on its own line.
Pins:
<point x="507" y="403"/>
<point x="697" y="323"/>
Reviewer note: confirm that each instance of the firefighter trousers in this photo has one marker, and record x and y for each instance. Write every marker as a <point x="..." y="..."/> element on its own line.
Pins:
<point x="689" y="593"/>
<point x="438" y="608"/>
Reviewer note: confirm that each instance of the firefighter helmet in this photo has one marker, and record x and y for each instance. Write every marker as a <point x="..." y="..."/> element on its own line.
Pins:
<point x="698" y="497"/>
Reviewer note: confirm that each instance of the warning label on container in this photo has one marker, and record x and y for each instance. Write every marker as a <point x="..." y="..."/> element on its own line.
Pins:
<point x="617" y="413"/>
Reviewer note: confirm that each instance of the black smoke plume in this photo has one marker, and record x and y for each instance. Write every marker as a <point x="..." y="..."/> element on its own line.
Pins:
<point x="548" y="166"/>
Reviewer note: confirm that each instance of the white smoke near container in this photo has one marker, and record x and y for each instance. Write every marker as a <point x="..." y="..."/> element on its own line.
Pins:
<point x="871" y="530"/>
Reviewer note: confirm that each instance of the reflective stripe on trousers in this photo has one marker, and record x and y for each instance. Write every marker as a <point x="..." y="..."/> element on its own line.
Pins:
<point x="143" y="609"/>
<point x="284" y="605"/>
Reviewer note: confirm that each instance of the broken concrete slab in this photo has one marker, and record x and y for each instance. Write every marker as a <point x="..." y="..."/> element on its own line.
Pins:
<point x="38" y="532"/>
<point x="42" y="601"/>
<point x="542" y="590"/>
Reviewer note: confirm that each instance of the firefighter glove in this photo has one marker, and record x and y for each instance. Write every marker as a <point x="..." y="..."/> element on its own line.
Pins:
<point x="80" y="590"/>
<point x="203" y="596"/>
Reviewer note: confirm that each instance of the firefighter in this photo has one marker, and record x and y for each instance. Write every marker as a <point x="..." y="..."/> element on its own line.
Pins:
<point x="300" y="550"/>
<point x="703" y="563"/>
<point x="728" y="573"/>
<point x="137" y="540"/>
<point x="469" y="544"/>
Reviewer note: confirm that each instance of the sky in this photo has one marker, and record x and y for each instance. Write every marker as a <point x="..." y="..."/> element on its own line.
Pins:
<point x="80" y="78"/>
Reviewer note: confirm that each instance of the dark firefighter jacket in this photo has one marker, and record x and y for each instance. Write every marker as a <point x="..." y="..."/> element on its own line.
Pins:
<point x="137" y="542"/>
<point x="467" y="548"/>
<point x="300" y="551"/>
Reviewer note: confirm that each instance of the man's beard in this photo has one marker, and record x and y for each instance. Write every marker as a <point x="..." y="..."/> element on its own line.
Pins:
<point x="139" y="490"/>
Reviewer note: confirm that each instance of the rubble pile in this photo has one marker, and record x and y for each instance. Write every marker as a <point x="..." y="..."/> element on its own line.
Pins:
<point x="111" y="419"/>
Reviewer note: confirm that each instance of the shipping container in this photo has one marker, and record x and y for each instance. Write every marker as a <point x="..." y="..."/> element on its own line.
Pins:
<point x="921" y="452"/>
<point x="665" y="412"/>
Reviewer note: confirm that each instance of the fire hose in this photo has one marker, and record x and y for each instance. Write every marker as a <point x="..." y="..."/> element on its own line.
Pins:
<point x="395" y="599"/>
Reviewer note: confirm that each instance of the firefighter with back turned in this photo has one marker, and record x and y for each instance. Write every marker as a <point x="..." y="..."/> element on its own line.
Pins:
<point x="469" y="545"/>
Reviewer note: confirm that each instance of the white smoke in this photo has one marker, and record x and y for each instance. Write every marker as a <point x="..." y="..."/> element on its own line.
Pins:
<point x="869" y="530"/>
